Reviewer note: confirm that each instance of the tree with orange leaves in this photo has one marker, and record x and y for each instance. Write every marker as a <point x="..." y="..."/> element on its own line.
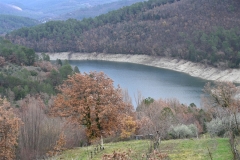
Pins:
<point x="92" y="101"/>
<point x="129" y="126"/>
<point x="9" y="128"/>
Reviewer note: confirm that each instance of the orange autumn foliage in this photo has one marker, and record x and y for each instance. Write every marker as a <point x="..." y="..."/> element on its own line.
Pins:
<point x="129" y="126"/>
<point x="92" y="101"/>
<point x="9" y="128"/>
<point x="59" y="147"/>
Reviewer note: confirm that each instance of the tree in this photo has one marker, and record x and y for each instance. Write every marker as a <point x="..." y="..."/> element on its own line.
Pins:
<point x="9" y="128"/>
<point x="30" y="55"/>
<point x="65" y="70"/>
<point x="59" y="62"/>
<point x="76" y="70"/>
<point x="148" y="100"/>
<point x="129" y="126"/>
<point x="45" y="57"/>
<point x="55" y="78"/>
<point x="92" y="101"/>
<point x="223" y="99"/>
<point x="59" y="147"/>
<point x="42" y="133"/>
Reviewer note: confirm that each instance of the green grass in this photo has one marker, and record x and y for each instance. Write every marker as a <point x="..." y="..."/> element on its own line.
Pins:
<point x="187" y="149"/>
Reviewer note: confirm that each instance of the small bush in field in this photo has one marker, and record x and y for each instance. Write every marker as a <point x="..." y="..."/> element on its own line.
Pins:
<point x="183" y="131"/>
<point x="220" y="126"/>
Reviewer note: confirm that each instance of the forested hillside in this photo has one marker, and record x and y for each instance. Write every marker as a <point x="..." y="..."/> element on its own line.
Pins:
<point x="22" y="72"/>
<point x="9" y="23"/>
<point x="201" y="31"/>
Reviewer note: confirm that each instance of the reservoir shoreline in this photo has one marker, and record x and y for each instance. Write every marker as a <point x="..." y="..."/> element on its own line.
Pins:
<point x="179" y="65"/>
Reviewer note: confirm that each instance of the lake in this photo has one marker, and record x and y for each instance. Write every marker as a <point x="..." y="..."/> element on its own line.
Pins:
<point x="149" y="81"/>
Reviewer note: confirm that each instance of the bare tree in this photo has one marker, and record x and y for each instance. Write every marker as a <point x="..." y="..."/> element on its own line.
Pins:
<point x="39" y="133"/>
<point x="223" y="99"/>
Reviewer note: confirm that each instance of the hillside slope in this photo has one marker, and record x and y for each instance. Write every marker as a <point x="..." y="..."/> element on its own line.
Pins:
<point x="201" y="31"/>
<point x="23" y="72"/>
<point x="9" y="23"/>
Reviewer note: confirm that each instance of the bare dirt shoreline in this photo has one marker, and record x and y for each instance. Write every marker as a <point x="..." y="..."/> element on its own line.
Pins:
<point x="193" y="69"/>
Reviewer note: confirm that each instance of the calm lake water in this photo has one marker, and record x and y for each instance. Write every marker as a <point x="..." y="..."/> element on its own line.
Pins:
<point x="150" y="81"/>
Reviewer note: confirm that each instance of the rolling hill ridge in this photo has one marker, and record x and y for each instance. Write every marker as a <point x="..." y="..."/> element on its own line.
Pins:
<point x="9" y="23"/>
<point x="46" y="9"/>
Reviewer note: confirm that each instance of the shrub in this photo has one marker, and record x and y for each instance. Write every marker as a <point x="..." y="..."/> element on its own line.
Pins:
<point x="183" y="131"/>
<point x="220" y="126"/>
<point x="33" y="73"/>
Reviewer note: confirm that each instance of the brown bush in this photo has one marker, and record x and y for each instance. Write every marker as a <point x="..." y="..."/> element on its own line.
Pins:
<point x="9" y="128"/>
<point x="46" y="66"/>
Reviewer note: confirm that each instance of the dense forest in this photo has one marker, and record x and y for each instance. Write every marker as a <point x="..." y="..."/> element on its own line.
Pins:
<point x="201" y="31"/>
<point x="9" y="23"/>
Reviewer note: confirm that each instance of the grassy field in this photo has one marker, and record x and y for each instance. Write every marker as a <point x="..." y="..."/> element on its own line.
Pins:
<point x="187" y="149"/>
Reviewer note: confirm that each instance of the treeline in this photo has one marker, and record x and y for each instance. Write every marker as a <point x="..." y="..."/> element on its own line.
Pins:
<point x="201" y="31"/>
<point x="9" y="23"/>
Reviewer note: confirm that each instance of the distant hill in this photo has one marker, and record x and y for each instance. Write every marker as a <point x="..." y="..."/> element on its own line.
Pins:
<point x="7" y="9"/>
<point x="10" y="9"/>
<point x="97" y="10"/>
<point x="46" y="9"/>
<point x="200" y="31"/>
<point x="9" y="23"/>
